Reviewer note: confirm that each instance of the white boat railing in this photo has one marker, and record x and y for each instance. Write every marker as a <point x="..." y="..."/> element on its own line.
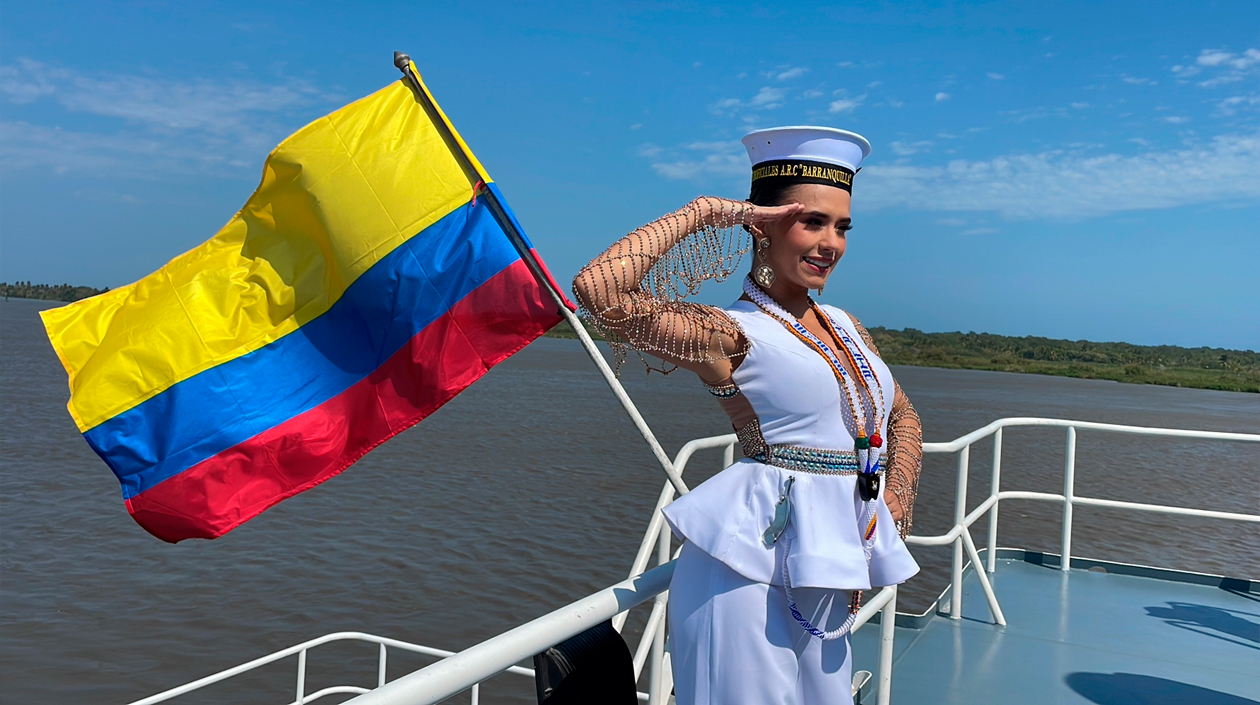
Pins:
<point x="466" y="670"/>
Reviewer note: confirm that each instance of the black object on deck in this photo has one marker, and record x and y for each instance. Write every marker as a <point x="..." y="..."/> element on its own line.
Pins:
<point x="592" y="667"/>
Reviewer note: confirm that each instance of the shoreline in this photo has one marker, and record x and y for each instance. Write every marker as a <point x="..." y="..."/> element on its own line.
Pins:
<point x="1168" y="366"/>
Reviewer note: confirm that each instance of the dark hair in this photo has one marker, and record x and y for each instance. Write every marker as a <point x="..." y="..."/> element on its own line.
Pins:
<point x="771" y="192"/>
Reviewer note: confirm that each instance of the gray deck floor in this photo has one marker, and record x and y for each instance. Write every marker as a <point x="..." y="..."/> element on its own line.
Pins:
<point x="1080" y="637"/>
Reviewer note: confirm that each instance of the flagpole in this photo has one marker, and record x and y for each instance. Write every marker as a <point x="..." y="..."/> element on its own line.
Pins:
<point x="403" y="63"/>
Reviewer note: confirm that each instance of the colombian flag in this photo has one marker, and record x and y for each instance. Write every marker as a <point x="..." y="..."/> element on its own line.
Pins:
<point x="362" y="286"/>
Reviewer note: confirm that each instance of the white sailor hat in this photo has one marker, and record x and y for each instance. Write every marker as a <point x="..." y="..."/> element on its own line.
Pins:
<point x="822" y="155"/>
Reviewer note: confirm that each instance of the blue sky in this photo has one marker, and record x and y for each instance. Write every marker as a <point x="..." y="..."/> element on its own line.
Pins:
<point x="1069" y="169"/>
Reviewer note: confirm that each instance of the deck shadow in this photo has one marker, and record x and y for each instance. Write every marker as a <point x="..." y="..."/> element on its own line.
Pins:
<point x="1134" y="689"/>
<point x="1188" y="615"/>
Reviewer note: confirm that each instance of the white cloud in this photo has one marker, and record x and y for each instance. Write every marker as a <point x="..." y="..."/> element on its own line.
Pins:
<point x="1210" y="57"/>
<point x="812" y="93"/>
<point x="905" y="149"/>
<point x="1213" y="58"/>
<point x="716" y="159"/>
<point x="1221" y="80"/>
<point x="940" y="97"/>
<point x="1176" y="120"/>
<point x="1057" y="184"/>
<point x="162" y="125"/>
<point x="791" y="73"/>
<point x="955" y="222"/>
<point x="846" y="105"/>
<point x="768" y="98"/>
<point x="1232" y="104"/>
<point x="26" y="146"/>
<point x="1139" y="81"/>
<point x="1080" y="106"/>
<point x="995" y="76"/>
<point x="1227" y="66"/>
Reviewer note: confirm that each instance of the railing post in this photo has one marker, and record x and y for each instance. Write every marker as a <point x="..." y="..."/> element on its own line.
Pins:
<point x="656" y="675"/>
<point x="301" y="677"/>
<point x="960" y="513"/>
<point x="476" y="694"/>
<point x="1069" y="490"/>
<point x="994" y="488"/>
<point x="887" y="623"/>
<point x="380" y="668"/>
<point x="728" y="456"/>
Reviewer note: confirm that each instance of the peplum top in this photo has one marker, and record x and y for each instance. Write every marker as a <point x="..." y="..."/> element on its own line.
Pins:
<point x="798" y="403"/>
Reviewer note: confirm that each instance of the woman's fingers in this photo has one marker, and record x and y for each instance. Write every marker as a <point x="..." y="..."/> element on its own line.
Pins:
<point x="767" y="214"/>
<point x="894" y="505"/>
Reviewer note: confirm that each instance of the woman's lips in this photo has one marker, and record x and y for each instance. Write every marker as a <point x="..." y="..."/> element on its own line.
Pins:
<point x="821" y="266"/>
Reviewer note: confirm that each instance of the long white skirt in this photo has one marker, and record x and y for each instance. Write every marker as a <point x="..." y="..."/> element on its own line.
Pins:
<point x="734" y="641"/>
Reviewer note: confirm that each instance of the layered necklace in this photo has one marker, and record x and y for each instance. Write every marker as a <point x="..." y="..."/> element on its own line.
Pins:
<point x="867" y="443"/>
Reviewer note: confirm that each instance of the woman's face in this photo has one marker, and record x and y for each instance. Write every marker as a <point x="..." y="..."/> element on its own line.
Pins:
<point x="805" y="248"/>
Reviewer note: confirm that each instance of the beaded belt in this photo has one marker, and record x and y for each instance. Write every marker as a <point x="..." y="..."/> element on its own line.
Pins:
<point x="819" y="461"/>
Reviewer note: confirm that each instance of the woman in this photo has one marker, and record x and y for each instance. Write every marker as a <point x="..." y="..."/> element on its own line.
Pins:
<point x="778" y="547"/>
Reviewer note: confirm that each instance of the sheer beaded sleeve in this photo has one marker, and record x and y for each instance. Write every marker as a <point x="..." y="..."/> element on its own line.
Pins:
<point x="905" y="447"/>
<point x="633" y="292"/>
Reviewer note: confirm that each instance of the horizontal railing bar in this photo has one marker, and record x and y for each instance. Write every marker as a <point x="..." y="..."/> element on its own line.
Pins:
<point x="295" y="649"/>
<point x="477" y="663"/>
<point x="963" y="441"/>
<point x="955" y="532"/>
<point x="333" y="690"/>
<point x="1162" y="509"/>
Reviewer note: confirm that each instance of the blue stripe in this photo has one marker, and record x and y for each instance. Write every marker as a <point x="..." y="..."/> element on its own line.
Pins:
<point x="383" y="309"/>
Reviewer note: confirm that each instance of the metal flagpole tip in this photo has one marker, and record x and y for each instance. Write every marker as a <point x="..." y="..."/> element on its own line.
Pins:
<point x="402" y="61"/>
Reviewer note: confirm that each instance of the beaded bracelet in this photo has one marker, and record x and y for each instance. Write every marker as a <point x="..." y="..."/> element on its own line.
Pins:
<point x="722" y="391"/>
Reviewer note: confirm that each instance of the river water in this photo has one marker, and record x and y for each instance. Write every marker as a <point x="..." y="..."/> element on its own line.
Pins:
<point x="529" y="490"/>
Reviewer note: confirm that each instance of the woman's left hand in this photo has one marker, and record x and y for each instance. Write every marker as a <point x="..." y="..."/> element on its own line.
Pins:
<point x="894" y="505"/>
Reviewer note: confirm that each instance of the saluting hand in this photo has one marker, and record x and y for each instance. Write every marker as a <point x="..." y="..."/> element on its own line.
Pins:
<point x="769" y="214"/>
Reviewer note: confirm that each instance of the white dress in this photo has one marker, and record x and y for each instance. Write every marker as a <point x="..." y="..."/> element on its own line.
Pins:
<point x="734" y="577"/>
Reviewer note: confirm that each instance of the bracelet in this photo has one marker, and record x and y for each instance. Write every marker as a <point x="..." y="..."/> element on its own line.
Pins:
<point x="722" y="391"/>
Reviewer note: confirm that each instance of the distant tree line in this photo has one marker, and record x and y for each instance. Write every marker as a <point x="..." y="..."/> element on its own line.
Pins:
<point x="1202" y="368"/>
<point x="47" y="292"/>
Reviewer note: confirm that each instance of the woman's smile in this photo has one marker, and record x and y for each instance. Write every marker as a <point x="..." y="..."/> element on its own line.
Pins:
<point x="819" y="265"/>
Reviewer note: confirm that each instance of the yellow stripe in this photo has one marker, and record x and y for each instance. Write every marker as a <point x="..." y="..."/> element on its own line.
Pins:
<point x="335" y="198"/>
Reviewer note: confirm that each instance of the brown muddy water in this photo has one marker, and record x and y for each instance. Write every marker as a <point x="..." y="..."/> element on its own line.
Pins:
<point x="529" y="490"/>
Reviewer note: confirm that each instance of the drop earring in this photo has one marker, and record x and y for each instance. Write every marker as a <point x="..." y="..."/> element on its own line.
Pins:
<point x="762" y="273"/>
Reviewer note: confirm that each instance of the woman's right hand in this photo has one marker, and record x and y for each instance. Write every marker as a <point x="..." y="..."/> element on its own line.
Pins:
<point x="769" y="214"/>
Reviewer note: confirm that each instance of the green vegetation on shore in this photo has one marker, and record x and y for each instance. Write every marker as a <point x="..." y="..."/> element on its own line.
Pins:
<point x="1200" y="368"/>
<point x="45" y="292"/>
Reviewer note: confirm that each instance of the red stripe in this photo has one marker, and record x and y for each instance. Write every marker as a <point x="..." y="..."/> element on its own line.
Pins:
<point x="211" y="498"/>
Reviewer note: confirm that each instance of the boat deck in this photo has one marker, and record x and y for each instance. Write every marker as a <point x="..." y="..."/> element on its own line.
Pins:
<point x="1126" y="635"/>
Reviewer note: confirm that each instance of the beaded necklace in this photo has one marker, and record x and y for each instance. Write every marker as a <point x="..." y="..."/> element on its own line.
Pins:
<point x="867" y="447"/>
